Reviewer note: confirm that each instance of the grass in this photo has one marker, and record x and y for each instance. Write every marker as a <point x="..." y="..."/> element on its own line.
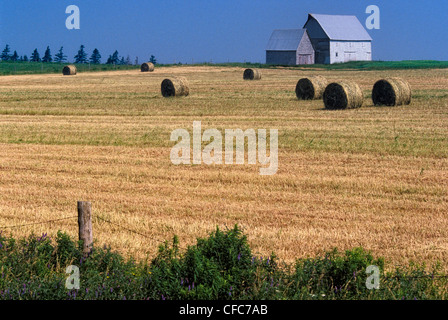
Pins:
<point x="387" y="65"/>
<point x="352" y="65"/>
<point x="21" y="67"/>
<point x="374" y="177"/>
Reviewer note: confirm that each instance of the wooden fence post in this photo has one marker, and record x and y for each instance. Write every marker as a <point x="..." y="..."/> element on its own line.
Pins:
<point x="85" y="226"/>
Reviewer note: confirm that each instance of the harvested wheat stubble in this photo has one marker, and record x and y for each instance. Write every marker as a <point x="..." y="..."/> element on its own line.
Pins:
<point x="69" y="70"/>
<point x="147" y="67"/>
<point x="343" y="95"/>
<point x="252" y="74"/>
<point x="311" y="88"/>
<point x="391" y="92"/>
<point x="175" y="87"/>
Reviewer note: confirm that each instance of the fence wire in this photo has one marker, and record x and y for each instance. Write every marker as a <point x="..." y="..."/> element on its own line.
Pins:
<point x="73" y="217"/>
<point x="136" y="232"/>
<point x="127" y="229"/>
<point x="35" y="223"/>
<point x="434" y="277"/>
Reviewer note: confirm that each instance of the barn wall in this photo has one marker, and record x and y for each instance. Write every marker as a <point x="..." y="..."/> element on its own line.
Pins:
<point x="344" y="51"/>
<point x="305" y="52"/>
<point x="281" y="57"/>
<point x="320" y="41"/>
<point x="322" y="51"/>
<point x="314" y="29"/>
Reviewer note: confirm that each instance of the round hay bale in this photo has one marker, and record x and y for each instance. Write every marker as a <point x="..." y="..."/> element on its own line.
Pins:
<point x="252" y="74"/>
<point x="147" y="67"/>
<point x="391" y="92"/>
<point x="343" y="95"/>
<point x="311" y="88"/>
<point x="69" y="70"/>
<point x="175" y="87"/>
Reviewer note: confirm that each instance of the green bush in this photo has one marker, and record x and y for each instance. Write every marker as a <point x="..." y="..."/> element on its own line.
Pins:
<point x="34" y="268"/>
<point x="220" y="266"/>
<point x="335" y="274"/>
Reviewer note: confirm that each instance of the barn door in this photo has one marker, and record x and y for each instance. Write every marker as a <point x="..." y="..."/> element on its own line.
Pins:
<point x="304" y="59"/>
<point x="349" y="56"/>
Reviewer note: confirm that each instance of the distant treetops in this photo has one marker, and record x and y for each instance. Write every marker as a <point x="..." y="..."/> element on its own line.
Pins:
<point x="60" y="57"/>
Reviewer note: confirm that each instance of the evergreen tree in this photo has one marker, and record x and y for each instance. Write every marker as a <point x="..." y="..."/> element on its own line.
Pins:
<point x="60" y="57"/>
<point x="35" y="57"/>
<point x="25" y="58"/>
<point x="81" y="57"/>
<point x="113" y="59"/>
<point x="47" y="56"/>
<point x="136" y="61"/>
<point x="95" y="58"/>
<point x="15" y="56"/>
<point x="128" y="60"/>
<point x="122" y="61"/>
<point x="5" y="53"/>
<point x="153" y="59"/>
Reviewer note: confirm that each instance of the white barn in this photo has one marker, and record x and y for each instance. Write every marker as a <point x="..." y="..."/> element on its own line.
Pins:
<point x="338" y="38"/>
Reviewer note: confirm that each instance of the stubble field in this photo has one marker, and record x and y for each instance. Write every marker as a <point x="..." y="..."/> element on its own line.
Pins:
<point x="375" y="177"/>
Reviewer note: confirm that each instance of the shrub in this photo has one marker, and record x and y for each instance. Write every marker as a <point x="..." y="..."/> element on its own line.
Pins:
<point x="220" y="266"/>
<point x="334" y="274"/>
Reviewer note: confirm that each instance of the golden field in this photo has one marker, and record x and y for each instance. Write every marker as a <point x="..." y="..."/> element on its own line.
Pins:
<point x="375" y="177"/>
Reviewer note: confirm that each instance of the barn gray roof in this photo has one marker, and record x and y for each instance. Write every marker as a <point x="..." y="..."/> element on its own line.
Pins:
<point x="341" y="27"/>
<point x="285" y="39"/>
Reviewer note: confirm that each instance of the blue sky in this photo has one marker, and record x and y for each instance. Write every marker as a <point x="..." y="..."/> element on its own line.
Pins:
<point x="213" y="30"/>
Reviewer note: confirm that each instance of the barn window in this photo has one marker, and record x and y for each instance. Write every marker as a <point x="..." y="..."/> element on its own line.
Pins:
<point x="336" y="54"/>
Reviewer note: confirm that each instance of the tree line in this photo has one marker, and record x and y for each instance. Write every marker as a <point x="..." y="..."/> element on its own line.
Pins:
<point x="81" y="57"/>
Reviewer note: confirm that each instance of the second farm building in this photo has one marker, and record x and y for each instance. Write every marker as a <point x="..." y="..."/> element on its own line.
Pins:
<point x="324" y="39"/>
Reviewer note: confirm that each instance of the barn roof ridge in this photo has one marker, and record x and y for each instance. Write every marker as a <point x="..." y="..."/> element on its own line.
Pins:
<point x="341" y="27"/>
